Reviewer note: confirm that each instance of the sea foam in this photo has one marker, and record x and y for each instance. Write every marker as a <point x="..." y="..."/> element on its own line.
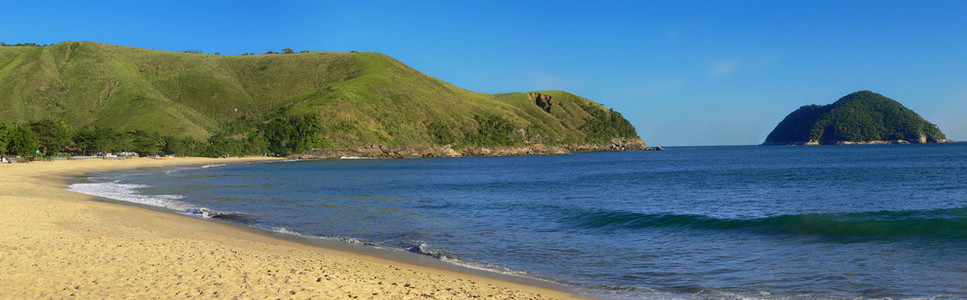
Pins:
<point x="129" y="193"/>
<point x="356" y="157"/>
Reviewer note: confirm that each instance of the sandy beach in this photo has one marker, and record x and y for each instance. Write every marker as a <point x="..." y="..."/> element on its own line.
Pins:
<point x="56" y="244"/>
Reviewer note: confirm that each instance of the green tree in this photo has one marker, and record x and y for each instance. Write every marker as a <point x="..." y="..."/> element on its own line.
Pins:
<point x="23" y="141"/>
<point x="288" y="51"/>
<point x="53" y="136"/>
<point x="185" y="146"/>
<point x="144" y="143"/>
<point x="440" y="133"/>
<point x="493" y="131"/>
<point x="221" y="145"/>
<point x="96" y="139"/>
<point x="606" y="124"/>
<point x="255" y="144"/>
<point x="4" y="136"/>
<point x="285" y="136"/>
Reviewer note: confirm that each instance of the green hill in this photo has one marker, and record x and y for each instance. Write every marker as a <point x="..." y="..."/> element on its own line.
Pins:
<point x="862" y="117"/>
<point x="355" y="100"/>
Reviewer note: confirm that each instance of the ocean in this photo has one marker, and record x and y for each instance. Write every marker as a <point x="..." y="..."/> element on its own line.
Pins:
<point x="870" y="221"/>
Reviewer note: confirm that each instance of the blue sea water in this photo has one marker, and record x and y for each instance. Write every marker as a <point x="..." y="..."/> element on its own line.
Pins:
<point x="868" y="221"/>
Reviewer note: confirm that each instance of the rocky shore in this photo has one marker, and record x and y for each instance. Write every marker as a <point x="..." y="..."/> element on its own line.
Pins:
<point x="922" y="140"/>
<point x="382" y="151"/>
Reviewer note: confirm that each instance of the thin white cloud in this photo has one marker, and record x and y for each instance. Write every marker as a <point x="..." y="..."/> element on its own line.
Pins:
<point x="728" y="67"/>
<point x="723" y="68"/>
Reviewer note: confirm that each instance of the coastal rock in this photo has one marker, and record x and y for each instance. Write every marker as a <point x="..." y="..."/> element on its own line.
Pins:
<point x="842" y="142"/>
<point x="543" y="101"/>
<point x="616" y="144"/>
<point x="379" y="151"/>
<point x="623" y="144"/>
<point x="382" y="151"/>
<point x="537" y="149"/>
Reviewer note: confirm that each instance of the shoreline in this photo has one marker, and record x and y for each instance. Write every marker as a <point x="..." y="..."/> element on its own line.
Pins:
<point x="59" y="243"/>
<point x="383" y="151"/>
<point x="873" y="142"/>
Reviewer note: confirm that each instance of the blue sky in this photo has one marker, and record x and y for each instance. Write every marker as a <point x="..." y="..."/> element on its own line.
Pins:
<point x="683" y="72"/>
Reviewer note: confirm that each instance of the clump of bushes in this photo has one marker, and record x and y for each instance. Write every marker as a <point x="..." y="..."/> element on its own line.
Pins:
<point x="603" y="125"/>
<point x="493" y="131"/>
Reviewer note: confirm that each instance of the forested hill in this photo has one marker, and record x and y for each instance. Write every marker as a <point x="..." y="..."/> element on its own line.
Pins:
<point x="293" y="102"/>
<point x="862" y="117"/>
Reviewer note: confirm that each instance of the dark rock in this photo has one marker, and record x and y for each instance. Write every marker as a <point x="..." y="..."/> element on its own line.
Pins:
<point x="383" y="151"/>
<point x="542" y="101"/>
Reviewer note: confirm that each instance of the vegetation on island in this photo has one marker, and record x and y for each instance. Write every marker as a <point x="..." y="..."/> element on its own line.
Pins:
<point x="105" y="98"/>
<point x="860" y="117"/>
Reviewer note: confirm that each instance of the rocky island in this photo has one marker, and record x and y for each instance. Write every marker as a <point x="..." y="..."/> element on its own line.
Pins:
<point x="862" y="117"/>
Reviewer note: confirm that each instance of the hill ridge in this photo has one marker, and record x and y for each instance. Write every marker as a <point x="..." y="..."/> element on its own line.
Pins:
<point x="360" y="99"/>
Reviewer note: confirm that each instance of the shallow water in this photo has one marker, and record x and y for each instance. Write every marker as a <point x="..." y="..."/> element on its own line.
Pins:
<point x="764" y="222"/>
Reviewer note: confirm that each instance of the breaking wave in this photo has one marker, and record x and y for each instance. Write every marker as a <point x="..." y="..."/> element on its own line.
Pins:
<point x="127" y="192"/>
<point x="947" y="223"/>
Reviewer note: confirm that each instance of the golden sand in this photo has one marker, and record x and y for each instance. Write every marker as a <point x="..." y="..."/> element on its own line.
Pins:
<point x="55" y="244"/>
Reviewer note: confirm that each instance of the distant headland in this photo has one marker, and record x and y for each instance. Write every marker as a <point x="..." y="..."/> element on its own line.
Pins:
<point x="104" y="98"/>
<point x="862" y="117"/>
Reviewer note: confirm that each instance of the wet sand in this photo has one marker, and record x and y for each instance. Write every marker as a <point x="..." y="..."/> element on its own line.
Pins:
<point x="55" y="244"/>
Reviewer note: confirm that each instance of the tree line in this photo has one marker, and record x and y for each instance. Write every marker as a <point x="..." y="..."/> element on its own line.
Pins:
<point x="284" y="51"/>
<point x="190" y="51"/>
<point x="280" y="136"/>
<point x="21" y="45"/>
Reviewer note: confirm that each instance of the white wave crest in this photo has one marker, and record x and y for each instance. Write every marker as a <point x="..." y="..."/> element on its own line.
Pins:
<point x="356" y="157"/>
<point x="128" y="193"/>
<point x="282" y="230"/>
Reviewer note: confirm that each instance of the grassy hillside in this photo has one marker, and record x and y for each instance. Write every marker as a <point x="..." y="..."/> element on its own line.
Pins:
<point x="359" y="98"/>
<point x="355" y="99"/>
<point x="859" y="117"/>
<point x="171" y="93"/>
